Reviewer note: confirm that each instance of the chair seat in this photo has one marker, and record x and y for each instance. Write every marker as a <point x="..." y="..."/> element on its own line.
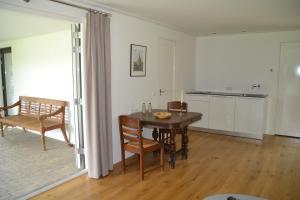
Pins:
<point x="148" y="144"/>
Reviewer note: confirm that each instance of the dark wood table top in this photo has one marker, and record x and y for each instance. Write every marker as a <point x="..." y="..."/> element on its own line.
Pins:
<point x="176" y="121"/>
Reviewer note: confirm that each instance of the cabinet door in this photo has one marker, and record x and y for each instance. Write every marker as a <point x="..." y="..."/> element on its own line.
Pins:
<point x="221" y="113"/>
<point x="201" y="107"/>
<point x="249" y="115"/>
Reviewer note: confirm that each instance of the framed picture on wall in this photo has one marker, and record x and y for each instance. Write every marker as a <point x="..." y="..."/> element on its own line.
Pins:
<point x="137" y="60"/>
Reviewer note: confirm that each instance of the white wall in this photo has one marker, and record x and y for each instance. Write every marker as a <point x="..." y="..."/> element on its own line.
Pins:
<point x="237" y="61"/>
<point x="128" y="93"/>
<point x="42" y="67"/>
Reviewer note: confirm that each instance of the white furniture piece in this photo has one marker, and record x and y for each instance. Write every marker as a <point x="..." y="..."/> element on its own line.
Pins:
<point x="249" y="115"/>
<point x="221" y="113"/>
<point x="199" y="103"/>
<point x="229" y="114"/>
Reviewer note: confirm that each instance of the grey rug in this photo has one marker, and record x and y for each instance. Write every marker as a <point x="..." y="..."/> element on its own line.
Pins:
<point x="25" y="167"/>
<point x="233" y="197"/>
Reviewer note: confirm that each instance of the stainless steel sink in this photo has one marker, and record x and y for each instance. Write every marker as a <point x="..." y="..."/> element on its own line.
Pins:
<point x="253" y="95"/>
<point x="229" y="94"/>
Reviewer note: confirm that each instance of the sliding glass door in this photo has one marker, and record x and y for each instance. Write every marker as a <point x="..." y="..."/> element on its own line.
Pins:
<point x="77" y="85"/>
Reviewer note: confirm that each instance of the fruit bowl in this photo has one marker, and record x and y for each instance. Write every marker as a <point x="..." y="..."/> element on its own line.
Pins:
<point x="162" y="115"/>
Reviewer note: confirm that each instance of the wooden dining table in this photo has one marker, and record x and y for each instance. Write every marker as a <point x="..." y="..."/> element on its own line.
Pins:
<point x="177" y="123"/>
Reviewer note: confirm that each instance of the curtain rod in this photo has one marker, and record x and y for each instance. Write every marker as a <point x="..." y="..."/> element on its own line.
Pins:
<point x="81" y="7"/>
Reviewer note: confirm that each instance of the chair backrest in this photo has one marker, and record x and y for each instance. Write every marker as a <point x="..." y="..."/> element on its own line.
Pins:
<point x="35" y="106"/>
<point x="177" y="106"/>
<point x="130" y="129"/>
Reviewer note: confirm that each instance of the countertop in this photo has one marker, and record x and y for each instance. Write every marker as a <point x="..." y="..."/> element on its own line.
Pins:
<point x="229" y="94"/>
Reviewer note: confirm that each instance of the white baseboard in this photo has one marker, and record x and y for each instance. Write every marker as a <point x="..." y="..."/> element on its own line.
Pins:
<point x="238" y="134"/>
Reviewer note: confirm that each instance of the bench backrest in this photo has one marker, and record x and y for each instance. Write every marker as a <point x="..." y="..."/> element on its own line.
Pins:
<point x="35" y="106"/>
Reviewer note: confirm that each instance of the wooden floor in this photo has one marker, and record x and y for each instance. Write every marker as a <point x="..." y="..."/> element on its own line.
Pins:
<point x="217" y="164"/>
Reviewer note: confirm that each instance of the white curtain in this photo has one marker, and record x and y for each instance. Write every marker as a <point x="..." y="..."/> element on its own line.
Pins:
<point x="98" y="95"/>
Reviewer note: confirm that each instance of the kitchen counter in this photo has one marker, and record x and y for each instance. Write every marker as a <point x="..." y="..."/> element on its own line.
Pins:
<point x="229" y="94"/>
<point x="237" y="114"/>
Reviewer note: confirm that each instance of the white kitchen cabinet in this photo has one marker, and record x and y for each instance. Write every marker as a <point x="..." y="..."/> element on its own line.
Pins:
<point x="201" y="107"/>
<point x="231" y="115"/>
<point x="221" y="113"/>
<point x="250" y="115"/>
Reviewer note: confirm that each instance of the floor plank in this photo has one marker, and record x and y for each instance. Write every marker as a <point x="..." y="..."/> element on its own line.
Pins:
<point x="217" y="164"/>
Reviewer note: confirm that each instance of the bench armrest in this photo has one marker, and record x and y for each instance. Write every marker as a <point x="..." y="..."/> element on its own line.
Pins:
<point x="43" y="117"/>
<point x="10" y="106"/>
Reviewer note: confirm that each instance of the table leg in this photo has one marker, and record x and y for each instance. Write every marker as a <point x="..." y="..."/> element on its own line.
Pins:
<point x="172" y="158"/>
<point x="155" y="137"/>
<point x="155" y="134"/>
<point x="185" y="141"/>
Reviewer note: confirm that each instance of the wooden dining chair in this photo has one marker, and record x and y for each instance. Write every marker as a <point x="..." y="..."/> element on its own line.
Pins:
<point x="165" y="134"/>
<point x="132" y="140"/>
<point x="177" y="106"/>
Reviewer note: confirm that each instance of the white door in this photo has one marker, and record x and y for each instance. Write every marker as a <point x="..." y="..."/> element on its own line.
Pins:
<point x="166" y="72"/>
<point x="288" y="118"/>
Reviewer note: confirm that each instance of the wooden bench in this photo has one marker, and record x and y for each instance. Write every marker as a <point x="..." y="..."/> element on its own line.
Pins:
<point x="37" y="114"/>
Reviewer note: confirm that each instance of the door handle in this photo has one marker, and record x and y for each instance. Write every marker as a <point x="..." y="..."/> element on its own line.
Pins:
<point x="161" y="92"/>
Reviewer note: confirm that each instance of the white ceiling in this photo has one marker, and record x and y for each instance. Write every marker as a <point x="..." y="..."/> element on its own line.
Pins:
<point x="15" y="25"/>
<point x="205" y="17"/>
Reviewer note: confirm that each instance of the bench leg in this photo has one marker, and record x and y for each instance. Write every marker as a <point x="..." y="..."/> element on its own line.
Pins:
<point x="63" y="130"/>
<point x="1" y="126"/>
<point x="24" y="130"/>
<point x="43" y="140"/>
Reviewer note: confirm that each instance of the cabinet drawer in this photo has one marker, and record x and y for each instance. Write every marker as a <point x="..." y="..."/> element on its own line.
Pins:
<point x="197" y="97"/>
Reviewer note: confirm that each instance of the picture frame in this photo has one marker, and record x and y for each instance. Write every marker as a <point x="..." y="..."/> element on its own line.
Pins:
<point x="138" y="55"/>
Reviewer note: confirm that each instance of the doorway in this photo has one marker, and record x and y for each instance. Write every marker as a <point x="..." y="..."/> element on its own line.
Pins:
<point x="44" y="61"/>
<point x="288" y="115"/>
<point x="5" y="62"/>
<point x="166" y="71"/>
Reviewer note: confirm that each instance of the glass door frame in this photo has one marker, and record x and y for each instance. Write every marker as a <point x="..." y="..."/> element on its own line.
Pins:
<point x="76" y="31"/>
